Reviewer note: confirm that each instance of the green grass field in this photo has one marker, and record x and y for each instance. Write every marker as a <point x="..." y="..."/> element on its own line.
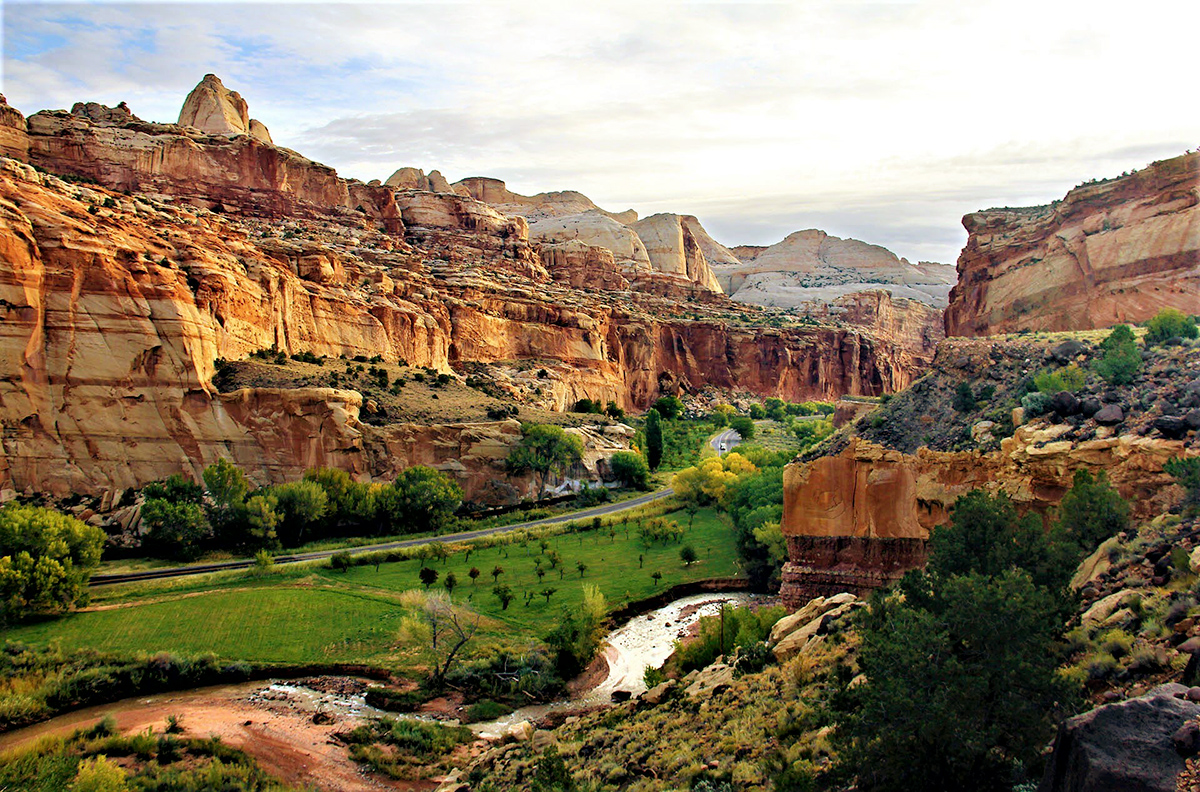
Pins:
<point x="322" y="615"/>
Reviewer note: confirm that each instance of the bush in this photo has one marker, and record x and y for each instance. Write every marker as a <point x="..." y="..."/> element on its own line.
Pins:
<point x="1036" y="404"/>
<point x="669" y="407"/>
<point x="1186" y="472"/>
<point x="1069" y="378"/>
<point x="631" y="469"/>
<point x="743" y="426"/>
<point x="720" y="635"/>
<point x="175" y="529"/>
<point x="964" y="398"/>
<point x="487" y="710"/>
<point x="46" y="559"/>
<point x="341" y="561"/>
<point x="1122" y="360"/>
<point x="1170" y="323"/>
<point x="1092" y="511"/>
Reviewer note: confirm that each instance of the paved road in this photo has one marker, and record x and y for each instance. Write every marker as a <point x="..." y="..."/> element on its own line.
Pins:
<point x="244" y="563"/>
<point x="729" y="437"/>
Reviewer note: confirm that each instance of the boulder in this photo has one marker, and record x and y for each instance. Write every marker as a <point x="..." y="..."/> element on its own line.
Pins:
<point x="1123" y="747"/>
<point x="522" y="731"/>
<point x="1192" y="419"/>
<point x="659" y="693"/>
<point x="1090" y="406"/>
<point x="1094" y="565"/>
<point x="1065" y="403"/>
<point x="1066" y="351"/>
<point x="1102" y="608"/>
<point x="1110" y="415"/>
<point x="710" y="680"/>
<point x="1171" y="426"/>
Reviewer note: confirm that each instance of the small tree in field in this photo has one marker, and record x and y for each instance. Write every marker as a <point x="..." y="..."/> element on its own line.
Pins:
<point x="474" y="574"/>
<point x="450" y="581"/>
<point x="582" y="567"/>
<point x="504" y="594"/>
<point x="687" y="554"/>
<point x="428" y="576"/>
<point x="657" y="576"/>
<point x="497" y="571"/>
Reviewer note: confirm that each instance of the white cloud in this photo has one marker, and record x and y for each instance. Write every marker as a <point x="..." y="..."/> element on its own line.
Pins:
<point x="880" y="120"/>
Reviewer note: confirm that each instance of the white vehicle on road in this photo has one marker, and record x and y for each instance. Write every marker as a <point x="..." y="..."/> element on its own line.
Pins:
<point x="722" y="448"/>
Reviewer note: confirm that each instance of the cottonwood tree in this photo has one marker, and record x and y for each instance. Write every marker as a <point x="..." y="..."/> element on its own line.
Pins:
<point x="544" y="450"/>
<point x="45" y="560"/>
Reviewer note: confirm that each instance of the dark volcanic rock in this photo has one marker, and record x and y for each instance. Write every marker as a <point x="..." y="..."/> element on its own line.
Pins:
<point x="1172" y="427"/>
<point x="1067" y="351"/>
<point x="1090" y="406"/>
<point x="1110" y="415"/>
<point x="1124" y="747"/>
<point x="1065" y="403"/>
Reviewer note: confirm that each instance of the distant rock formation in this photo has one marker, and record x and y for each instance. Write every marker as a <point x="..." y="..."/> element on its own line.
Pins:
<point x="596" y="228"/>
<point x="1114" y="251"/>
<point x="583" y="266"/>
<point x="213" y="108"/>
<point x="534" y="207"/>
<point x="811" y="267"/>
<point x="674" y="249"/>
<point x="415" y="179"/>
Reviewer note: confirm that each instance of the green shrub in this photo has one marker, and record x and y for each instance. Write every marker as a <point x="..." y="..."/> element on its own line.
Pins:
<point x="1069" y="378"/>
<point x="487" y="710"/>
<point x="1122" y="360"/>
<point x="394" y="700"/>
<point x="1170" y="323"/>
<point x="1036" y="404"/>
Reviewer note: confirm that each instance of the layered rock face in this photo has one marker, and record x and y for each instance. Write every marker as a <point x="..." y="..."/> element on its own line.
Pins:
<point x="1110" y="252"/>
<point x="674" y="249"/>
<point x="213" y="108"/>
<point x="911" y="326"/>
<point x="116" y="307"/>
<point x="582" y="266"/>
<point x="599" y="230"/>
<point x="811" y="267"/>
<point x="856" y="516"/>
<point x="229" y="173"/>
<point x="859" y="519"/>
<point x="14" y="138"/>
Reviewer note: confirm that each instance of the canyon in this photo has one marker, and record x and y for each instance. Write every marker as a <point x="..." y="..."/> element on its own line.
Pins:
<point x="138" y="255"/>
<point x="1118" y="250"/>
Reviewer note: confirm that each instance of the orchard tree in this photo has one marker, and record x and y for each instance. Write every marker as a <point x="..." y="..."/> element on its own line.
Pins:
<point x="504" y="594"/>
<point x="428" y="576"/>
<point x="46" y="559"/>
<point x="474" y="574"/>
<point x="687" y="554"/>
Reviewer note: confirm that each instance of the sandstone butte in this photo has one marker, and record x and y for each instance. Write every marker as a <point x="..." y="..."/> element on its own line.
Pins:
<point x="1113" y="251"/>
<point x="810" y="268"/>
<point x="118" y="297"/>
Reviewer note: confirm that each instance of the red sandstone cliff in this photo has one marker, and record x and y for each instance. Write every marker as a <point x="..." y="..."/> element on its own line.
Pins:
<point x="1115" y="251"/>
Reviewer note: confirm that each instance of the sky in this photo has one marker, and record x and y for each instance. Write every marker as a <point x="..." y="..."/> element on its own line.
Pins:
<point x="885" y="121"/>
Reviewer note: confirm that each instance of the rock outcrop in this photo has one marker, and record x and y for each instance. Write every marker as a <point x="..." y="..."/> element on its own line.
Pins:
<point x="811" y="267"/>
<point x="675" y="250"/>
<point x="1113" y="251"/>
<point x="582" y="266"/>
<point x="597" y="229"/>
<point x="1124" y="746"/>
<point x="857" y="517"/>
<point x="216" y="110"/>
<point x="14" y="137"/>
<point x="238" y="173"/>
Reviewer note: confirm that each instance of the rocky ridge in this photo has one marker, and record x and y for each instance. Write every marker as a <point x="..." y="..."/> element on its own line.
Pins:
<point x="858" y="510"/>
<point x="1112" y="251"/>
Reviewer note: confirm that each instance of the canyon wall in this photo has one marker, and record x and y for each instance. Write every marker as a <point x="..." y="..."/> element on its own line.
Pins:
<point x="859" y="519"/>
<point x="1110" y="252"/>
<point x="114" y="309"/>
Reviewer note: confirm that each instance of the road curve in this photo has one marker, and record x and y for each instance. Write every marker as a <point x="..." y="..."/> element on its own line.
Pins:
<point x="729" y="437"/>
<point x="244" y="563"/>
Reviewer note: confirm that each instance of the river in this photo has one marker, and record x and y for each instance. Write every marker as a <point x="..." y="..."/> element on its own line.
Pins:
<point x="246" y="712"/>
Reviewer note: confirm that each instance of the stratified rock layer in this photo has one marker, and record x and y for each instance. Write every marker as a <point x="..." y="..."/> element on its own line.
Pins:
<point x="1115" y="251"/>
<point x="674" y="249"/>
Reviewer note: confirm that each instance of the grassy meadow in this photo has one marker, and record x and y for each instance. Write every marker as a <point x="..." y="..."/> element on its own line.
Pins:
<point x="321" y="615"/>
